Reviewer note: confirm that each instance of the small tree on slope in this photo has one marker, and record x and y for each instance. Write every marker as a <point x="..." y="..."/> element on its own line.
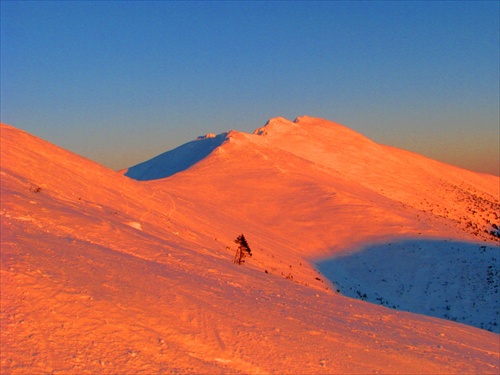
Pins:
<point x="242" y="250"/>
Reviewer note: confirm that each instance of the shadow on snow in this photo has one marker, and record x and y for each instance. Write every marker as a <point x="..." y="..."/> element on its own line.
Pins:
<point x="176" y="160"/>
<point x="451" y="280"/>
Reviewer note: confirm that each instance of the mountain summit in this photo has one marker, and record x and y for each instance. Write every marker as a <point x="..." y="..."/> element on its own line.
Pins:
<point x="307" y="137"/>
<point x="324" y="148"/>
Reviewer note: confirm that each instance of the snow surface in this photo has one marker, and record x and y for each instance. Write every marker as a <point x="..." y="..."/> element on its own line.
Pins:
<point x="104" y="274"/>
<point x="177" y="160"/>
<point x="450" y="280"/>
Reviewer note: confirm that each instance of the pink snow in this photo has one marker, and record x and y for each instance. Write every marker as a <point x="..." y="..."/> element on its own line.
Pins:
<point x="104" y="274"/>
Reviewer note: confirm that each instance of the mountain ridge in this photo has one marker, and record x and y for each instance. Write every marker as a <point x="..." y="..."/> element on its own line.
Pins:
<point x="276" y="127"/>
<point x="399" y="175"/>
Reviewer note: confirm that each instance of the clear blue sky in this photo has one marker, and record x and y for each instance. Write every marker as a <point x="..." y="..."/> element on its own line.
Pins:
<point x="120" y="82"/>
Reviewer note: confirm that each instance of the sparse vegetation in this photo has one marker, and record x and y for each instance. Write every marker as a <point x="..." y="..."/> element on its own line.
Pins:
<point x="243" y="249"/>
<point x="452" y="285"/>
<point x="35" y="189"/>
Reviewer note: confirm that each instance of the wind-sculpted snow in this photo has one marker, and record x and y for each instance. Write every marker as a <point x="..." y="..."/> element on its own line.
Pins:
<point x="103" y="274"/>
<point x="176" y="160"/>
<point x="458" y="281"/>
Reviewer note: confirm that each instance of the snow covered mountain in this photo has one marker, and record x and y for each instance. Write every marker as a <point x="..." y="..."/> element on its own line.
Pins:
<point x="322" y="148"/>
<point x="319" y="172"/>
<point x="101" y="273"/>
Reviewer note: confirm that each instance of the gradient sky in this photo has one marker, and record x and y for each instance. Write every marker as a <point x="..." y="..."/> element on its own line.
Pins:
<point x="120" y="82"/>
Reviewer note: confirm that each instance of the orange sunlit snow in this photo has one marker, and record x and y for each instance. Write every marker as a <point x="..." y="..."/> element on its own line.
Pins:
<point x="104" y="273"/>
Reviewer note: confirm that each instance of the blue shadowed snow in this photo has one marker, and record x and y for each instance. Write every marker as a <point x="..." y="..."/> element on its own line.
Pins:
<point x="176" y="160"/>
<point x="445" y="279"/>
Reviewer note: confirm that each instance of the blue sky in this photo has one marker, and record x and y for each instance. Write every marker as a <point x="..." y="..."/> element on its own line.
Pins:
<point x="120" y="82"/>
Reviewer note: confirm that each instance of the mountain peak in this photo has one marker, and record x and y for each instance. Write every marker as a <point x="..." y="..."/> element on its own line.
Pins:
<point x="305" y="118"/>
<point x="276" y="125"/>
<point x="307" y="126"/>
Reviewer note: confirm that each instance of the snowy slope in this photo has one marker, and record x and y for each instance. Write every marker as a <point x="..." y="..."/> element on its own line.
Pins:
<point x="470" y="200"/>
<point x="104" y="274"/>
<point x="176" y="160"/>
<point x="457" y="194"/>
<point x="320" y="211"/>
<point x="450" y="280"/>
